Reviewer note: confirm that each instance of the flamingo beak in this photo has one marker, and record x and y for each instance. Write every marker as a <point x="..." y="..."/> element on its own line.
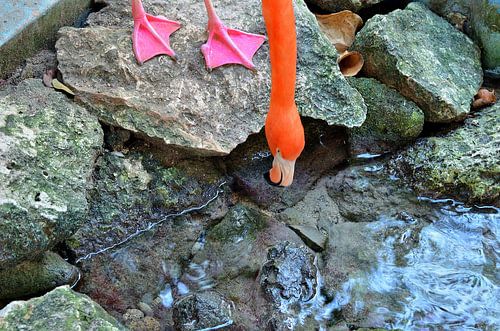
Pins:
<point x="282" y="171"/>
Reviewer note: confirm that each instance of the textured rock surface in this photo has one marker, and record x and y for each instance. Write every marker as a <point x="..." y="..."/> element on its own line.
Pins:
<point x="424" y="58"/>
<point x="482" y="24"/>
<point x="204" y="310"/>
<point x="391" y="121"/>
<point x="61" y="309"/>
<point x="333" y="6"/>
<point x="463" y="163"/>
<point x="183" y="104"/>
<point x="47" y="150"/>
<point x="135" y="189"/>
<point x="238" y="244"/>
<point x="35" y="277"/>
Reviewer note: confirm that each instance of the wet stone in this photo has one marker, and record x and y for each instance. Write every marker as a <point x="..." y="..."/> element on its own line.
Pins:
<point x="463" y="163"/>
<point x="425" y="58"/>
<point x="202" y="310"/>
<point x="289" y="275"/>
<point x="182" y="104"/>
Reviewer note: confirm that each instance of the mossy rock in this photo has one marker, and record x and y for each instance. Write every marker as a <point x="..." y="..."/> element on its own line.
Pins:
<point x="424" y="58"/>
<point x="391" y="121"/>
<point x="463" y="163"/>
<point x="61" y="309"/>
<point x="48" y="146"/>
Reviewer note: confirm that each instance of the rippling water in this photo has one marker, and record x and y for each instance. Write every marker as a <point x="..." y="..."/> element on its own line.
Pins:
<point x="447" y="277"/>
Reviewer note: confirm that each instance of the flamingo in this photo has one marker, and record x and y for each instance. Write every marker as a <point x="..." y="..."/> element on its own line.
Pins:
<point x="151" y="37"/>
<point x="283" y="127"/>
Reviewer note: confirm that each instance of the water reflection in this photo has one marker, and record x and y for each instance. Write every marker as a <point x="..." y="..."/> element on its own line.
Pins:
<point x="448" y="280"/>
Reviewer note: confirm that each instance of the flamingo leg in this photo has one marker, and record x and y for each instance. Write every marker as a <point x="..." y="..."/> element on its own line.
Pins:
<point x="226" y="45"/>
<point x="151" y="36"/>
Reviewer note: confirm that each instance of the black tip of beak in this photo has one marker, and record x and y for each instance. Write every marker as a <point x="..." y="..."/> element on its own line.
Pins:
<point x="267" y="177"/>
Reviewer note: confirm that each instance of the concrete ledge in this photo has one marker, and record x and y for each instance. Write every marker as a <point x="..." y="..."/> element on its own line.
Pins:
<point x="30" y="25"/>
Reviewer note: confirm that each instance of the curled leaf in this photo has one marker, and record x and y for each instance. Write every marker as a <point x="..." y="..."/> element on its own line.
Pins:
<point x="61" y="87"/>
<point x="484" y="97"/>
<point x="340" y="28"/>
<point x="350" y="63"/>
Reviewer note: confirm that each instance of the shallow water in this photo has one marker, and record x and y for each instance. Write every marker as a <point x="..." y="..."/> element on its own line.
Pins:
<point x="447" y="277"/>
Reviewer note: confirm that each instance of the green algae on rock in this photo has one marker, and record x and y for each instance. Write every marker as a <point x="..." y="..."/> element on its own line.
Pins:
<point x="48" y="146"/>
<point x="424" y="58"/>
<point x="182" y="104"/>
<point x="35" y="277"/>
<point x="392" y="121"/>
<point x="482" y="20"/>
<point x="60" y="309"/>
<point x="463" y="163"/>
<point x="136" y="189"/>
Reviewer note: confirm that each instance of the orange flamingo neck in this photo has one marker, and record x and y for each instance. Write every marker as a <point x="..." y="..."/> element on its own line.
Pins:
<point x="280" y="23"/>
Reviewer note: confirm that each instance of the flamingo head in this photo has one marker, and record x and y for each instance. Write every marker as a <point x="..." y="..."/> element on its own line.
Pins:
<point x="285" y="137"/>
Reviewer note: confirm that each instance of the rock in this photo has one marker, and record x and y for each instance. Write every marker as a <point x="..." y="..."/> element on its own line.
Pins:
<point x="367" y="193"/>
<point x="135" y="189"/>
<point x="204" y="310"/>
<point x="60" y="309"/>
<point x="424" y="58"/>
<point x="238" y="244"/>
<point x="392" y="121"/>
<point x="462" y="163"/>
<point x="181" y="103"/>
<point x="480" y="20"/>
<point x="35" y="277"/>
<point x="333" y="6"/>
<point x="48" y="146"/>
<point x="289" y="275"/>
<point x="311" y="236"/>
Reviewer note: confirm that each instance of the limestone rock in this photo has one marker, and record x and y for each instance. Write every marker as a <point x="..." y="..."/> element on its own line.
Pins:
<point x="47" y="150"/>
<point x="391" y="121"/>
<point x="35" y="277"/>
<point x="463" y="163"/>
<point x="61" y="309"/>
<point x="425" y="58"/>
<point x="480" y="20"/>
<point x="333" y="6"/>
<point x="181" y="103"/>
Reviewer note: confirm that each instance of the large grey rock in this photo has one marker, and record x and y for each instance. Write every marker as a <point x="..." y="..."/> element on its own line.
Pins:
<point x="481" y="22"/>
<point x="424" y="58"/>
<point x="61" y="309"/>
<point x="35" y="277"/>
<point x="333" y="6"/>
<point x="463" y="163"/>
<point x="205" y="310"/>
<point x="181" y="103"/>
<point x="391" y="122"/>
<point x="47" y="150"/>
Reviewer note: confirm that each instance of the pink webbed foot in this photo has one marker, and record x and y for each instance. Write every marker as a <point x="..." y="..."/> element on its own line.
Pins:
<point x="228" y="46"/>
<point x="151" y="35"/>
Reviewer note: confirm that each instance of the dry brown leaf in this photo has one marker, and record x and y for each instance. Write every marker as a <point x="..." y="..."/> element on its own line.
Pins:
<point x="484" y="97"/>
<point x="340" y="28"/>
<point x="350" y="63"/>
<point x="61" y="87"/>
